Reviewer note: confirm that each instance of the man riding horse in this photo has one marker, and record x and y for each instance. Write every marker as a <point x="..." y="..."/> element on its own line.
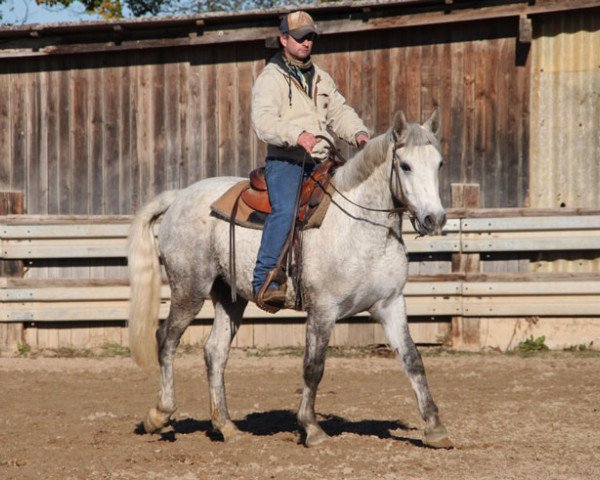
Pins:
<point x="293" y="102"/>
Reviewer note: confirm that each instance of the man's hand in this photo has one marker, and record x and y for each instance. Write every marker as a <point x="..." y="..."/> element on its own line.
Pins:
<point x="361" y="139"/>
<point x="307" y="141"/>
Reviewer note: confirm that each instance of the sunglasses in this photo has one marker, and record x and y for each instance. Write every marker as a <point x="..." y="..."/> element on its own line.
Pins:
<point x="310" y="36"/>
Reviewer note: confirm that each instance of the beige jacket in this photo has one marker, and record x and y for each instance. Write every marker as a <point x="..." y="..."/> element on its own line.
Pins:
<point x="279" y="119"/>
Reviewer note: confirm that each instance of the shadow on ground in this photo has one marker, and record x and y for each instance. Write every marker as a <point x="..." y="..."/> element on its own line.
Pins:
<point x="284" y="421"/>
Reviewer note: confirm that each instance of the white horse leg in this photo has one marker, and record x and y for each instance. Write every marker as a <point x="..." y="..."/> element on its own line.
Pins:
<point x="168" y="336"/>
<point x="392" y="316"/>
<point x="228" y="317"/>
<point x="318" y="332"/>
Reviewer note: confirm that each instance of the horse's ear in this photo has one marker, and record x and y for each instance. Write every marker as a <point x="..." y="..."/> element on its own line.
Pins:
<point x="400" y="125"/>
<point x="433" y="123"/>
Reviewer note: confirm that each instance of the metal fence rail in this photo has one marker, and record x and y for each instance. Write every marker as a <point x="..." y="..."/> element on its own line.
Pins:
<point x="27" y="237"/>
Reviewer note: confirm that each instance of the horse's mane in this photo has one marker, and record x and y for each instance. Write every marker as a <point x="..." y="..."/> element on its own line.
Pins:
<point x="365" y="162"/>
<point x="362" y="164"/>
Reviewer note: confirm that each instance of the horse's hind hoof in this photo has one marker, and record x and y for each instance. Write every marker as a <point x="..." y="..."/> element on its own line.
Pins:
<point x="315" y="436"/>
<point x="156" y="420"/>
<point x="437" y="437"/>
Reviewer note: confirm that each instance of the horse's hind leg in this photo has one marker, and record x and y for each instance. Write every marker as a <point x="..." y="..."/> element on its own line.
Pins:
<point x="318" y="332"/>
<point x="168" y="336"/>
<point x="392" y="316"/>
<point x="228" y="316"/>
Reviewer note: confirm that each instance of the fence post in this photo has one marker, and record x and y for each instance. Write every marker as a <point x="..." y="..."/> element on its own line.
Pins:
<point x="11" y="334"/>
<point x="465" y="330"/>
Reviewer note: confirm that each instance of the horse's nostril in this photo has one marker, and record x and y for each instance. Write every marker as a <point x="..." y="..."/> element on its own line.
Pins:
<point x="428" y="222"/>
<point x="443" y="219"/>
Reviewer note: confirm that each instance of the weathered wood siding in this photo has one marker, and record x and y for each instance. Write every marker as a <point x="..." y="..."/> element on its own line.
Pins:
<point x="100" y="133"/>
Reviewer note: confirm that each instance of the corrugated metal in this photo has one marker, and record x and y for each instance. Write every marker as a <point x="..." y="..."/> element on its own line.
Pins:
<point x="565" y="112"/>
<point x="565" y="123"/>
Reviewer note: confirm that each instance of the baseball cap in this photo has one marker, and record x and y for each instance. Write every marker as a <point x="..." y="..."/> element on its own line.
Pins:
<point x="298" y="24"/>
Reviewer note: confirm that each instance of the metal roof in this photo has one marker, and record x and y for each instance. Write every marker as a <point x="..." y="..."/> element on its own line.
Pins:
<point x="362" y="10"/>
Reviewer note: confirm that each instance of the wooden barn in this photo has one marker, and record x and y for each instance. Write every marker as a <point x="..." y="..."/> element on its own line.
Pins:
<point x="98" y="117"/>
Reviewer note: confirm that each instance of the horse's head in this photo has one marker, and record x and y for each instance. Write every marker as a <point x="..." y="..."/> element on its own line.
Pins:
<point x="416" y="162"/>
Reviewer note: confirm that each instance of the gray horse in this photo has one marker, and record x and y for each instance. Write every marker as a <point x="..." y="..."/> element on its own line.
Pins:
<point x="355" y="262"/>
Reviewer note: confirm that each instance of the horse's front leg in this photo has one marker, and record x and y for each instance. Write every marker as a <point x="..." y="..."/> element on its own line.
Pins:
<point x="392" y="316"/>
<point x="318" y="332"/>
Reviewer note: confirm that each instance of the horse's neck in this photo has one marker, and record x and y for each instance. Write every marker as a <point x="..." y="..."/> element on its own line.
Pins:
<point x="354" y="207"/>
<point x="365" y="178"/>
<point x="374" y="192"/>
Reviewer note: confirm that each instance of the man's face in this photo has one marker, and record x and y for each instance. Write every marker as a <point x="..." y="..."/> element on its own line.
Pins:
<point x="297" y="49"/>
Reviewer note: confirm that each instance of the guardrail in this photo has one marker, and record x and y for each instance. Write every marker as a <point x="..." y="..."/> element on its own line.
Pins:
<point x="458" y="294"/>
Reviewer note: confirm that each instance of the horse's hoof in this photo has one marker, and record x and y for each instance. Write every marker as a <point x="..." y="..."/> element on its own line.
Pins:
<point x="315" y="436"/>
<point x="437" y="437"/>
<point x="156" y="420"/>
<point x="230" y="432"/>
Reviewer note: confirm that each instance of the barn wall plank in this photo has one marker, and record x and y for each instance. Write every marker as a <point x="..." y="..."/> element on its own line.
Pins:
<point x="19" y="133"/>
<point x="193" y="136"/>
<point x="79" y="138"/>
<point x="243" y="95"/>
<point x="111" y="128"/>
<point x="126" y="138"/>
<point x="65" y="180"/>
<point x="210" y="115"/>
<point x="159" y="101"/>
<point x="6" y="157"/>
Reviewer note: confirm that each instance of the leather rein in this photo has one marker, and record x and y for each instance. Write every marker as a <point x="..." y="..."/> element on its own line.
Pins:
<point x="394" y="170"/>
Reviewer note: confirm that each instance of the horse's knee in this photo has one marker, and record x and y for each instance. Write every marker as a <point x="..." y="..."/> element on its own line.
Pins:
<point x="413" y="363"/>
<point x="313" y="373"/>
<point x="169" y="333"/>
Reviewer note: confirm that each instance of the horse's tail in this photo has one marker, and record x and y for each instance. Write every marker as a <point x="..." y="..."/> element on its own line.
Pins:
<point x="145" y="280"/>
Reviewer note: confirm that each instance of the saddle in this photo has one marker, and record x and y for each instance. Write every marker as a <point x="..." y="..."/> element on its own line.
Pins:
<point x="247" y="204"/>
<point x="248" y="201"/>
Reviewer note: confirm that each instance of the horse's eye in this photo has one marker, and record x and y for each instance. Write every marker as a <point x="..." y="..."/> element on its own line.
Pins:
<point x="441" y="165"/>
<point x="405" y="167"/>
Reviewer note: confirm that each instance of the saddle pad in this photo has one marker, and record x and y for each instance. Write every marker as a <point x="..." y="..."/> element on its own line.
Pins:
<point x="249" y="218"/>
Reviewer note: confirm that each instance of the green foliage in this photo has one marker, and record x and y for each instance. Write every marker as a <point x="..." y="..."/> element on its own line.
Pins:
<point x="24" y="349"/>
<point x="113" y="9"/>
<point x="108" y="9"/>
<point x="103" y="351"/>
<point x="582" y="347"/>
<point x="195" y="6"/>
<point x="70" y="352"/>
<point x="533" y="345"/>
<point x="113" y="350"/>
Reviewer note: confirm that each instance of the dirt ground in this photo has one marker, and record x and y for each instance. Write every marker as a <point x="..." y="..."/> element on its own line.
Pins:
<point x="510" y="418"/>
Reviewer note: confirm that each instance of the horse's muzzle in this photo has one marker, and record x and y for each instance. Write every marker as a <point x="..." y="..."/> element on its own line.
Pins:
<point x="430" y="224"/>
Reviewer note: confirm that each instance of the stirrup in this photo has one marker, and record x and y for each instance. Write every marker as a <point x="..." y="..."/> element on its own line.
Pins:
<point x="279" y="276"/>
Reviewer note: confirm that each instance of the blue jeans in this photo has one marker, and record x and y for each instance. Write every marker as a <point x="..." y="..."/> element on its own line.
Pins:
<point x="282" y="178"/>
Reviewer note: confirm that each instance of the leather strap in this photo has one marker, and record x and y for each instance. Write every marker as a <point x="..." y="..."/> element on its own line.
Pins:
<point x="232" y="263"/>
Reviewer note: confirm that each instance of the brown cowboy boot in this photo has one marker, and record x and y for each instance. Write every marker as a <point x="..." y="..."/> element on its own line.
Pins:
<point x="269" y="298"/>
<point x="274" y="296"/>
